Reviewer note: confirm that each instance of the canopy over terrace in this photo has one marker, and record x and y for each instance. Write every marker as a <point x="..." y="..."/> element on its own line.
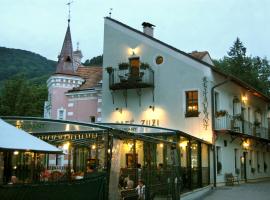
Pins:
<point x="120" y="150"/>
<point x="13" y="138"/>
<point x="133" y="140"/>
<point x="58" y="131"/>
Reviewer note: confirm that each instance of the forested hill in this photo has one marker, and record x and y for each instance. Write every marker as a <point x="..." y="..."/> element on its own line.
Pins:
<point x="33" y="66"/>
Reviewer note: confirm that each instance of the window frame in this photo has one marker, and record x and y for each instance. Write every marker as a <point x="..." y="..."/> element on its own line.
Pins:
<point x="59" y="113"/>
<point x="191" y="113"/>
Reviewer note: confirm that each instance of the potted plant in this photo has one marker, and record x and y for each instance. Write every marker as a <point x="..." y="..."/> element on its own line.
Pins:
<point x="144" y="65"/>
<point x="221" y="113"/>
<point x="109" y="69"/>
<point x="253" y="170"/>
<point x="123" y="65"/>
<point x="219" y="167"/>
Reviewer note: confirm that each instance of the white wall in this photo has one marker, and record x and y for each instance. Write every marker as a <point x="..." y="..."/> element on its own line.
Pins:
<point x="228" y="158"/>
<point x="177" y="74"/>
<point x="171" y="82"/>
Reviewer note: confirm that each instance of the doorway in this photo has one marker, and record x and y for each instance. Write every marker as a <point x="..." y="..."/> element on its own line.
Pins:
<point x="244" y="166"/>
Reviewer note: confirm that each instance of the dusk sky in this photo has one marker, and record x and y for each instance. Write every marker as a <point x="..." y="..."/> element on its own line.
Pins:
<point x="39" y="25"/>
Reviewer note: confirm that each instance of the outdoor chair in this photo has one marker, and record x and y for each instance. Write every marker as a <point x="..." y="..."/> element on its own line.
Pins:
<point x="130" y="194"/>
<point x="229" y="179"/>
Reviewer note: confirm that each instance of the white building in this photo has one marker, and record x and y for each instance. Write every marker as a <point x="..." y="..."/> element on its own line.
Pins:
<point x="159" y="85"/>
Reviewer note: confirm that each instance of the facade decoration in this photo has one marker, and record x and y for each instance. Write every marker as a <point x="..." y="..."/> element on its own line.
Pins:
<point x="205" y="103"/>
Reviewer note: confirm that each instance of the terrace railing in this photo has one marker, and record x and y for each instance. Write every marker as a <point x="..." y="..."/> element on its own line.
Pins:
<point x="236" y="124"/>
<point x="125" y="79"/>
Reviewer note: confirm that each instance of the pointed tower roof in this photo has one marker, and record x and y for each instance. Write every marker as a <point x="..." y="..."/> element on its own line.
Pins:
<point x="65" y="59"/>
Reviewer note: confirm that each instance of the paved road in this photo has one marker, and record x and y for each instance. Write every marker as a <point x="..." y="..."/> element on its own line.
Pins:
<point x="249" y="191"/>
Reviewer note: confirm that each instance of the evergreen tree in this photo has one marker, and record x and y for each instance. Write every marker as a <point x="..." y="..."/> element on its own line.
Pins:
<point x="253" y="70"/>
<point x="95" y="61"/>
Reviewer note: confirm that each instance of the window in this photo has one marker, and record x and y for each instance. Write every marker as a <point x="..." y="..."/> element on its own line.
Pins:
<point x="92" y="119"/>
<point x="61" y="114"/>
<point x="192" y="104"/>
<point x="236" y="156"/>
<point x="258" y="162"/>
<point x="217" y="104"/>
<point x="218" y="155"/>
<point x="248" y="116"/>
<point x="251" y="159"/>
<point x="264" y="163"/>
<point x="236" y="106"/>
<point x="70" y="105"/>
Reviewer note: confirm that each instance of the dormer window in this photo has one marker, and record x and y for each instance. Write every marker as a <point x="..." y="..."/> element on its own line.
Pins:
<point x="68" y="59"/>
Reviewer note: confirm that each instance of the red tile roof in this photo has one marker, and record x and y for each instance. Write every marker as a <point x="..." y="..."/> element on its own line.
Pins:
<point x="198" y="54"/>
<point x="92" y="76"/>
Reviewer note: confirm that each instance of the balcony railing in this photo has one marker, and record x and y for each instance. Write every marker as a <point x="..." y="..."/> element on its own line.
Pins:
<point x="125" y="79"/>
<point x="234" y="123"/>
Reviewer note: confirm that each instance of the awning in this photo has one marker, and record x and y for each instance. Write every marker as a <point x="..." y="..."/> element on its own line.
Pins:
<point x="12" y="138"/>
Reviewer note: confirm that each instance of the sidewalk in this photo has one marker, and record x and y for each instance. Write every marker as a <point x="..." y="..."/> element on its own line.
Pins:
<point x="248" y="191"/>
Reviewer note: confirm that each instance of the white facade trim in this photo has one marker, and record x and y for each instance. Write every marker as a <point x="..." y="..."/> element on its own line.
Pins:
<point x="70" y="114"/>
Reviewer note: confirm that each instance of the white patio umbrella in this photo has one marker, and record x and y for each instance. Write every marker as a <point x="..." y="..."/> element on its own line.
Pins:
<point x="12" y="138"/>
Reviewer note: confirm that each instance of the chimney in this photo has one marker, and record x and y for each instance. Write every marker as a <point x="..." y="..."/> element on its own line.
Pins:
<point x="148" y="29"/>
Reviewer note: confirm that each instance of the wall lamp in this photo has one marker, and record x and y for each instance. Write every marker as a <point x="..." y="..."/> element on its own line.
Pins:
<point x="119" y="110"/>
<point x="152" y="107"/>
<point x="244" y="99"/>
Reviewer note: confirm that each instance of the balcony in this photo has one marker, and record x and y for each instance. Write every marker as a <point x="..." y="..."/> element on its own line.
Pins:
<point x="130" y="79"/>
<point x="236" y="124"/>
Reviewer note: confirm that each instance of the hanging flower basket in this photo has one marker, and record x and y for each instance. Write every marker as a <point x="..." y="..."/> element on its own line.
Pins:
<point x="109" y="69"/>
<point x="144" y="66"/>
<point x="221" y="113"/>
<point x="123" y="65"/>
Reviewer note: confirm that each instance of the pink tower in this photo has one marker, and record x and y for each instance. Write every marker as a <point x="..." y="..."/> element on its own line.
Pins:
<point x="74" y="91"/>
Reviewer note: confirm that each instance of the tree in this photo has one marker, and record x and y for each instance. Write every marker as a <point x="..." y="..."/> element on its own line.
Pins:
<point x="20" y="98"/>
<point x="252" y="70"/>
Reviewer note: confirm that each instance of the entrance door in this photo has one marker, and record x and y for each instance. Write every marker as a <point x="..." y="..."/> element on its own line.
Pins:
<point x="244" y="166"/>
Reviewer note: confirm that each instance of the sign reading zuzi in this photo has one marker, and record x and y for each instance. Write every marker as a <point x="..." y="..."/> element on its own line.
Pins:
<point x="146" y="122"/>
<point x="151" y="122"/>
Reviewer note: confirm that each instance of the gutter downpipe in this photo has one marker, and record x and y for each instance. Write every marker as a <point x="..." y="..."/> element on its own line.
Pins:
<point x="213" y="126"/>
